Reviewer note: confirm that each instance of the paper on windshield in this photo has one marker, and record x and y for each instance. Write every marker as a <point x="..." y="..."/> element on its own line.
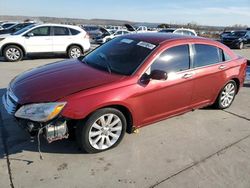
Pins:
<point x="127" y="41"/>
<point x="146" y="45"/>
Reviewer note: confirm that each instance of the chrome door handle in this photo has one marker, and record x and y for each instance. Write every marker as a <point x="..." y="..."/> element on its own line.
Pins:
<point x="187" y="75"/>
<point x="221" y="67"/>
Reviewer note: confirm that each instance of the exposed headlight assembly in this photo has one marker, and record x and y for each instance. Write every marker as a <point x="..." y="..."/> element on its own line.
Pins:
<point x="40" y="112"/>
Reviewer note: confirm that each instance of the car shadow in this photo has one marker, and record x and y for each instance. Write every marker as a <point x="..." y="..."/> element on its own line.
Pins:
<point x="38" y="57"/>
<point x="16" y="140"/>
<point x="246" y="85"/>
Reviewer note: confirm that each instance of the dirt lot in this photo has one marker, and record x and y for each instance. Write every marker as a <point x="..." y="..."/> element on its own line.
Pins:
<point x="204" y="148"/>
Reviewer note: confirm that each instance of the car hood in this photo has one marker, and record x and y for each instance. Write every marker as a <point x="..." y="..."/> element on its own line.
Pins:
<point x="129" y="27"/>
<point x="51" y="82"/>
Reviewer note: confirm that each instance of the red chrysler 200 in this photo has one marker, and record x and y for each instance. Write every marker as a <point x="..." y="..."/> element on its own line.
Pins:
<point x="127" y="83"/>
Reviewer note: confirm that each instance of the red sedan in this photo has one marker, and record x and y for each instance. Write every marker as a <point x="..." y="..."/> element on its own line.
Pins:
<point x="127" y="83"/>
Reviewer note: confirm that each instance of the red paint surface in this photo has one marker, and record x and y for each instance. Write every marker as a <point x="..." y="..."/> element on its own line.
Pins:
<point x="86" y="89"/>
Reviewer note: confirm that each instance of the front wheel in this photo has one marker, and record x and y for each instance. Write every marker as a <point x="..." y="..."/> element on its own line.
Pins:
<point x="103" y="130"/>
<point x="13" y="53"/>
<point x="227" y="95"/>
<point x="74" y="52"/>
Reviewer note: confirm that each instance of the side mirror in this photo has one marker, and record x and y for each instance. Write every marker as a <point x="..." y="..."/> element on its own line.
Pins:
<point x="30" y="35"/>
<point x="155" y="75"/>
<point x="159" y="75"/>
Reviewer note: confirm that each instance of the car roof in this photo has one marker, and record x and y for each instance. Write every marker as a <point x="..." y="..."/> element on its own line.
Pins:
<point x="158" y="38"/>
<point x="239" y="31"/>
<point x="59" y="25"/>
<point x="184" y="29"/>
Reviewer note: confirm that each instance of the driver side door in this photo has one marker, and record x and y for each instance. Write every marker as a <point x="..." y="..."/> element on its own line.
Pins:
<point x="39" y="40"/>
<point x="162" y="98"/>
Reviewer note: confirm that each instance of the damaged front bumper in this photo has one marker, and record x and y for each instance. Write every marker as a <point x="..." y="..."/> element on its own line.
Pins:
<point x="56" y="129"/>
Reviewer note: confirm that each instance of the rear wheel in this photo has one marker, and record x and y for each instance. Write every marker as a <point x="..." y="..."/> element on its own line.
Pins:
<point x="103" y="130"/>
<point x="13" y="53"/>
<point x="227" y="95"/>
<point x="74" y="52"/>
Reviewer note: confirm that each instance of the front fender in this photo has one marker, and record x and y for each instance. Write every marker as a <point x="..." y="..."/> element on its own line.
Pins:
<point x="79" y="106"/>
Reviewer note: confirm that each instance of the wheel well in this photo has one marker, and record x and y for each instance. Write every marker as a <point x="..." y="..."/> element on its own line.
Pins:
<point x="237" y="81"/>
<point x="9" y="44"/>
<point x="75" y="45"/>
<point x="127" y="115"/>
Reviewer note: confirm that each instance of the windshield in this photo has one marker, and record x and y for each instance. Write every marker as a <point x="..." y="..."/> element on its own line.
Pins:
<point x="20" y="26"/>
<point x="237" y="33"/>
<point x="23" y="30"/>
<point x="120" y="55"/>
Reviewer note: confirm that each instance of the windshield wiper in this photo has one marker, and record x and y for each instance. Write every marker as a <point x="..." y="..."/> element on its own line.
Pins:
<point x="102" y="56"/>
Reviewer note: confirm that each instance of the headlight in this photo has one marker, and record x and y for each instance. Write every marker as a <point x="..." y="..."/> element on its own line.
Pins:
<point x="40" y="112"/>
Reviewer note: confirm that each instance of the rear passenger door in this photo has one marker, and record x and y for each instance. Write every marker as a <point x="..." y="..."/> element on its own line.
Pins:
<point x="61" y="39"/>
<point x="209" y="66"/>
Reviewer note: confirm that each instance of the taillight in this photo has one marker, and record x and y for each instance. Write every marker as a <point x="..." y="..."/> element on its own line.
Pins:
<point x="86" y="36"/>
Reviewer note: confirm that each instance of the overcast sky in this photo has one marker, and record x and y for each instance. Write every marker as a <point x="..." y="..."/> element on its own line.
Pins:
<point x="206" y="12"/>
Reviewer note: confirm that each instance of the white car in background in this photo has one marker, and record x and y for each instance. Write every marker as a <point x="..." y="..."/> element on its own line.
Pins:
<point x="181" y="31"/>
<point x="6" y="25"/>
<point x="109" y="35"/>
<point x="112" y="28"/>
<point x="139" y="29"/>
<point x="44" y="39"/>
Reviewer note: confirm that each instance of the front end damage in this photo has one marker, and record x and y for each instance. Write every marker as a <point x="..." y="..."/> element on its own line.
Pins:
<point x="56" y="129"/>
<point x="38" y="118"/>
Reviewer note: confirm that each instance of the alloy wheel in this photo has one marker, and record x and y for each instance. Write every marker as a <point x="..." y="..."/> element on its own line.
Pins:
<point x="227" y="95"/>
<point x="105" y="131"/>
<point x="75" y="53"/>
<point x="13" y="54"/>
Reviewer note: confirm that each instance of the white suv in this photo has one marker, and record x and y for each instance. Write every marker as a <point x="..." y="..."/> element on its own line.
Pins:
<point x="181" y="31"/>
<point x="44" y="38"/>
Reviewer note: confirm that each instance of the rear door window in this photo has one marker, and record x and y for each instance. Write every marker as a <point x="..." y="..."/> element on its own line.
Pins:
<point x="174" y="59"/>
<point x="226" y="57"/>
<point x="74" y="32"/>
<point x="206" y="55"/>
<point x="61" y="31"/>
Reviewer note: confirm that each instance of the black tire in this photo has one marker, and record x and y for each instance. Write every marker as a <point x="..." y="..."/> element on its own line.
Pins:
<point x="219" y="101"/>
<point x="12" y="53"/>
<point x="85" y="126"/>
<point x="74" y="52"/>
